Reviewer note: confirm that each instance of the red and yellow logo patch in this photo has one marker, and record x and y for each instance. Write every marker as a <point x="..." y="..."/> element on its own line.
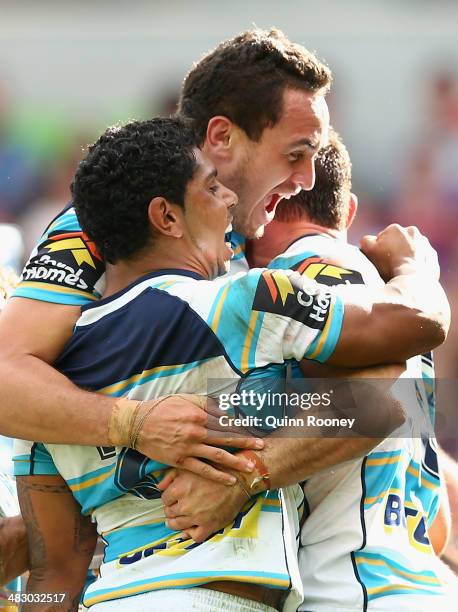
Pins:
<point x="328" y="273"/>
<point x="82" y="249"/>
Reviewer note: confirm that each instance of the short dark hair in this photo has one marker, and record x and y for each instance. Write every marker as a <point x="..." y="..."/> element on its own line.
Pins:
<point x="327" y="203"/>
<point x="244" y="79"/>
<point x="123" y="171"/>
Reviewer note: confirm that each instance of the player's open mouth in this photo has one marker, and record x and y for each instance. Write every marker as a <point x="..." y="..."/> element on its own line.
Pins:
<point x="227" y="237"/>
<point x="272" y="202"/>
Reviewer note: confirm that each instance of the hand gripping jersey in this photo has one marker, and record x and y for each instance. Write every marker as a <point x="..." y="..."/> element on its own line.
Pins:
<point x="364" y="543"/>
<point x="65" y="267"/>
<point x="173" y="332"/>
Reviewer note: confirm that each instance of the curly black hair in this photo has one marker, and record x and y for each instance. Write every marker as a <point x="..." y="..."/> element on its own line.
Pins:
<point x="244" y="78"/>
<point x="327" y="203"/>
<point x="123" y="171"/>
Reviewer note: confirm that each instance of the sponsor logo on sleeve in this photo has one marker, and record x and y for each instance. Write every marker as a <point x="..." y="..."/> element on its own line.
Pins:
<point x="327" y="273"/>
<point x="68" y="259"/>
<point x="291" y="295"/>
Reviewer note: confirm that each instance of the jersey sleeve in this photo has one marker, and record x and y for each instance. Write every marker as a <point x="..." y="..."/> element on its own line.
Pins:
<point x="65" y="267"/>
<point x="32" y="458"/>
<point x="323" y="270"/>
<point x="271" y="316"/>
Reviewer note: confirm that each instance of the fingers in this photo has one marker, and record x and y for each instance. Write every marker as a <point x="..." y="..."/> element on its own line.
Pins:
<point x="224" y="458"/>
<point x="172" y="511"/>
<point x="167" y="480"/>
<point x="207" y="471"/>
<point x="235" y="442"/>
<point x="179" y="523"/>
<point x="200" y="534"/>
<point x="169" y="498"/>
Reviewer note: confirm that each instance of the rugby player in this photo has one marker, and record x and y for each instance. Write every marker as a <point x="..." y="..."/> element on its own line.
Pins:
<point x="162" y="328"/>
<point x="258" y="103"/>
<point x="264" y="151"/>
<point x="354" y="539"/>
<point x="395" y="492"/>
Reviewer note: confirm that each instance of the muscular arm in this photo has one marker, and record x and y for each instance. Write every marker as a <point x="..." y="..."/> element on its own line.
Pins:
<point x="202" y="508"/>
<point x="61" y="541"/>
<point x="38" y="403"/>
<point x="407" y="317"/>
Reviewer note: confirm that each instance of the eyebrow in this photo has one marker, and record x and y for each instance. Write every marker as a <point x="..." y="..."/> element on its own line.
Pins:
<point x="211" y="175"/>
<point x="304" y="141"/>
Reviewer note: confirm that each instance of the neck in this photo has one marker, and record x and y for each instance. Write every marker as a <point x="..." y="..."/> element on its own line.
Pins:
<point x="279" y="235"/>
<point x="162" y="256"/>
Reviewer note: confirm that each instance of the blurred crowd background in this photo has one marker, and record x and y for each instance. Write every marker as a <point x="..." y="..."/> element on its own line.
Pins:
<point x="69" y="69"/>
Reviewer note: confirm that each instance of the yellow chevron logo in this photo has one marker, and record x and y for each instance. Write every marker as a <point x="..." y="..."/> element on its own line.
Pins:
<point x="284" y="285"/>
<point x="77" y="247"/>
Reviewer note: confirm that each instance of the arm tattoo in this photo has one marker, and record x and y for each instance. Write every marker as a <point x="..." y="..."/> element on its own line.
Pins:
<point x="43" y="488"/>
<point x="37" y="546"/>
<point x="84" y="533"/>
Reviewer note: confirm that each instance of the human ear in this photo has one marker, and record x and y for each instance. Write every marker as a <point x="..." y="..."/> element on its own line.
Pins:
<point x="352" y="209"/>
<point x="165" y="218"/>
<point x="219" y="139"/>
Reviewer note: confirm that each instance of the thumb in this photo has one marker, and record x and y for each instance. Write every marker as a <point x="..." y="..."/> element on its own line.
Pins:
<point x="197" y="400"/>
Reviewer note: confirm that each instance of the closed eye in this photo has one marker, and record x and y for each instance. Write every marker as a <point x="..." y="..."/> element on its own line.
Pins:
<point x="296" y="156"/>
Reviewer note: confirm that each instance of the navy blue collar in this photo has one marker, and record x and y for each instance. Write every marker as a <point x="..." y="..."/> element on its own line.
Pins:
<point x="140" y="279"/>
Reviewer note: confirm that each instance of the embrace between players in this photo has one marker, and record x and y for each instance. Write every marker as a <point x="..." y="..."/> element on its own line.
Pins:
<point x="152" y="202"/>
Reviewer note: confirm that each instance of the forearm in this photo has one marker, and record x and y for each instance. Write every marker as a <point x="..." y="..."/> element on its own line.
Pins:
<point x="297" y="456"/>
<point x="292" y="460"/>
<point x="422" y="294"/>
<point x="39" y="403"/>
<point x="407" y="317"/>
<point x="14" y="552"/>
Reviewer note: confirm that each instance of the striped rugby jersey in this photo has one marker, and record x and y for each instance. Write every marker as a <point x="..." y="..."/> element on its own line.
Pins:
<point x="364" y="544"/>
<point x="172" y="332"/>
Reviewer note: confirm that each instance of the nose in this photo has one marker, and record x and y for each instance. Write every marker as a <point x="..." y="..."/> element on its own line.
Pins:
<point x="230" y="198"/>
<point x="304" y="176"/>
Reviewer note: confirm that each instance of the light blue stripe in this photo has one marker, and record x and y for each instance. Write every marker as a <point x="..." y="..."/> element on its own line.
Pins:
<point x="401" y="591"/>
<point x="385" y="454"/>
<point x="215" y="304"/>
<point x="284" y="262"/>
<point x="333" y="336"/>
<point x="49" y="296"/>
<point x="92" y="474"/>
<point x="124" y="541"/>
<point x="199" y="576"/>
<point x="170" y="372"/>
<point x="255" y="340"/>
<point x="380" y="576"/>
<point x="271" y="509"/>
<point x="69" y="225"/>
<point x="361" y="556"/>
